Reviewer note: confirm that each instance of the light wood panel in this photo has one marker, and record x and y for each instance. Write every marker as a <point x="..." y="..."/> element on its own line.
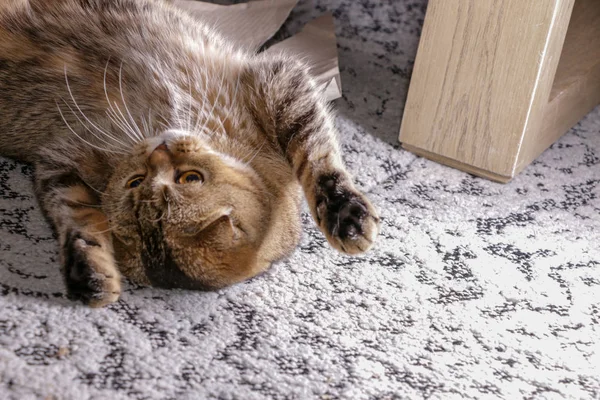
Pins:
<point x="576" y="87"/>
<point x="457" y="164"/>
<point x="482" y="79"/>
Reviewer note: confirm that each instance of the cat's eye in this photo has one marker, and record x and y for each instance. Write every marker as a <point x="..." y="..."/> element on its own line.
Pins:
<point x="135" y="181"/>
<point x="190" y="177"/>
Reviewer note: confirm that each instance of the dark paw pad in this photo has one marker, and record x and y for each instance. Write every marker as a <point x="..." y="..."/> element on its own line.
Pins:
<point x="351" y="217"/>
<point x="87" y="271"/>
<point x="347" y="218"/>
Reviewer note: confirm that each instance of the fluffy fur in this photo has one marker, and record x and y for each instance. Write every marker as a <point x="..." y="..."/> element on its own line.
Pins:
<point x="161" y="152"/>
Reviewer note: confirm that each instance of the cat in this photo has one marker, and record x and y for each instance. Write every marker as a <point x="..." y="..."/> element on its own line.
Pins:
<point x="164" y="154"/>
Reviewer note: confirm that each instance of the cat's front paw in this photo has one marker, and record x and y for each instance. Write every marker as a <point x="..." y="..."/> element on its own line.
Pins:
<point x="90" y="272"/>
<point x="345" y="215"/>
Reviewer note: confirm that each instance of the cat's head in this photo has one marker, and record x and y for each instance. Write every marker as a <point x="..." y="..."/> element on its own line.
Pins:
<point x="184" y="215"/>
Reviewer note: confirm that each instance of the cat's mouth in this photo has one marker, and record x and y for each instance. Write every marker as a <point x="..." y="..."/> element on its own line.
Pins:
<point x="156" y="144"/>
<point x="162" y="142"/>
<point x="162" y="146"/>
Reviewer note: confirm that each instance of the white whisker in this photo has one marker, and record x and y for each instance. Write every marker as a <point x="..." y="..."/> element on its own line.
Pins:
<point x="255" y="154"/>
<point x="111" y="229"/>
<point x="189" y="116"/>
<point x="125" y="124"/>
<point x="86" y="118"/>
<point x="151" y="133"/>
<point x="202" y="109"/>
<point x="164" y="123"/>
<point x="82" y="124"/>
<point x="216" y="99"/>
<point x="82" y="139"/>
<point x="156" y="220"/>
<point x="83" y="204"/>
<point x="137" y="129"/>
<point x="112" y="114"/>
<point x="117" y="122"/>
<point x="101" y="193"/>
<point x="122" y="148"/>
<point x="154" y="201"/>
<point x="222" y="126"/>
<point x="145" y="127"/>
<point x="232" y="100"/>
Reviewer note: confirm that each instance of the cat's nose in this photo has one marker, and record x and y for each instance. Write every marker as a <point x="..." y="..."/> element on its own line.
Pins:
<point x="159" y="156"/>
<point x="162" y="146"/>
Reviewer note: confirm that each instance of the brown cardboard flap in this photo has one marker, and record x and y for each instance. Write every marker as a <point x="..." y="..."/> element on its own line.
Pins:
<point x="250" y="25"/>
<point x="316" y="44"/>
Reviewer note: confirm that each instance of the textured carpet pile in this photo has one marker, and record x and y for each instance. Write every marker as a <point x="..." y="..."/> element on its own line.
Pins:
<point x="474" y="290"/>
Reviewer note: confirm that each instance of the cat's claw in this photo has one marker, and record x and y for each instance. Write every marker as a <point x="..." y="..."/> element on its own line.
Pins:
<point x="89" y="272"/>
<point x="346" y="216"/>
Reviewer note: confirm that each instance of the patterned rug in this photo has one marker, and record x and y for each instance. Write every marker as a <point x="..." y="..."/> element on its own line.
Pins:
<point x="475" y="289"/>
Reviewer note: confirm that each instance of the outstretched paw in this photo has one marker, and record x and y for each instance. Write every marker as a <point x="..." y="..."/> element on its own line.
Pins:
<point x="345" y="215"/>
<point x="90" y="273"/>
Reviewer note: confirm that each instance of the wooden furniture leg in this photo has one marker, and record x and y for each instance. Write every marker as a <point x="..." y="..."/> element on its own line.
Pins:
<point x="488" y="93"/>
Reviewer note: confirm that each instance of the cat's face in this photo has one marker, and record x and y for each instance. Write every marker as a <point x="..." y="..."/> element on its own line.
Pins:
<point x="183" y="215"/>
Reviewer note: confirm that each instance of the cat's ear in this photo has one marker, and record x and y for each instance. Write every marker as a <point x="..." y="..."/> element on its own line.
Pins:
<point x="218" y="229"/>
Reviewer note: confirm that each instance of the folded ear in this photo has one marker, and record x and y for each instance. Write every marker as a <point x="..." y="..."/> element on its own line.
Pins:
<point x="217" y="230"/>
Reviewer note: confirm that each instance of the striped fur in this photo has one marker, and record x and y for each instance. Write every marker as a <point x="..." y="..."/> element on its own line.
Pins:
<point x="97" y="92"/>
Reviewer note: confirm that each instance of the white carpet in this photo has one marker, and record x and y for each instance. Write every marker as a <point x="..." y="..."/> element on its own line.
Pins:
<point x="475" y="289"/>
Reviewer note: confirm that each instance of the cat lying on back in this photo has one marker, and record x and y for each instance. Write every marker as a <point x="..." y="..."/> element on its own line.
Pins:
<point x="162" y="153"/>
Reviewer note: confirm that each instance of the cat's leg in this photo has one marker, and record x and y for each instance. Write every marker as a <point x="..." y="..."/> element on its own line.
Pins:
<point x="286" y="103"/>
<point x="85" y="242"/>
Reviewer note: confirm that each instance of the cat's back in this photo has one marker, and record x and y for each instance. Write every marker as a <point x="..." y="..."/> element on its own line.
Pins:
<point x="44" y="41"/>
<point x="118" y="26"/>
<point x="39" y="39"/>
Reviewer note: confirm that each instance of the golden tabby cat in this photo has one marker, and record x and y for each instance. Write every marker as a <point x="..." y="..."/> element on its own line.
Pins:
<point x="161" y="152"/>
